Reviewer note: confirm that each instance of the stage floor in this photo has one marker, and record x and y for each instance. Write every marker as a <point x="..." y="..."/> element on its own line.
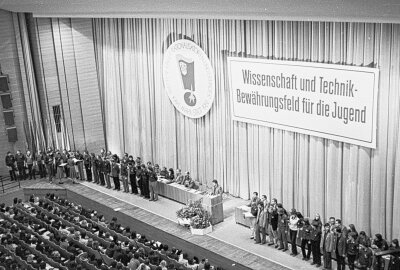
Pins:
<point x="228" y="239"/>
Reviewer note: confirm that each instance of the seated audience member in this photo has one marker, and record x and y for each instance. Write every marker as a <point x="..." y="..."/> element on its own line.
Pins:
<point x="71" y="263"/>
<point x="164" y="250"/>
<point x="142" y="239"/>
<point x="110" y="250"/>
<point x="154" y="258"/>
<point x="143" y="266"/>
<point x="183" y="259"/>
<point x="172" y="254"/>
<point x="134" y="262"/>
<point x="188" y="181"/>
<point x="163" y="265"/>
<point x="117" y="252"/>
<point x="126" y="232"/>
<point x="191" y="264"/>
<point x="216" y="189"/>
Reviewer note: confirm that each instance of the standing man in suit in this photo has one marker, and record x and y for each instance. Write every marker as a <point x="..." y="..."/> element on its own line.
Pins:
<point x="124" y="174"/>
<point x="261" y="224"/>
<point x="132" y="175"/>
<point x="145" y="182"/>
<point x="64" y="157"/>
<point x="49" y="162"/>
<point x="40" y="162"/>
<point x="79" y="156"/>
<point x="339" y="245"/>
<point x="95" y="168"/>
<point x="10" y="163"/>
<point x="20" y="160"/>
<point x="139" y="178"/>
<point x="115" y="174"/>
<point x="326" y="245"/>
<point x="283" y="227"/>
<point x="107" y="173"/>
<point x="101" y="170"/>
<point x="88" y="165"/>
<point x="153" y="185"/>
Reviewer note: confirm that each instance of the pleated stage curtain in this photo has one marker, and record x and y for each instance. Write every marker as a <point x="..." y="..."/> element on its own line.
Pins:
<point x="314" y="175"/>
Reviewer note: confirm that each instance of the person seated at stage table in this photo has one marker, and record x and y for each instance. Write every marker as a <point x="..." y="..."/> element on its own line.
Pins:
<point x="171" y="174"/>
<point x="179" y="177"/>
<point x="188" y="181"/>
<point x="216" y="189"/>
<point x="157" y="169"/>
<point x="163" y="172"/>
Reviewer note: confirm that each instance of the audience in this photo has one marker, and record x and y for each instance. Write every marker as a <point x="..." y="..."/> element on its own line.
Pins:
<point x="51" y="232"/>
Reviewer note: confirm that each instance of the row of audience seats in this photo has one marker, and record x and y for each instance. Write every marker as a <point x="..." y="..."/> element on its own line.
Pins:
<point x="52" y="233"/>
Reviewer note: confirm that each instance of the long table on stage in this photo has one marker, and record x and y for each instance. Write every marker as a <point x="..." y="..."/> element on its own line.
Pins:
<point x="182" y="194"/>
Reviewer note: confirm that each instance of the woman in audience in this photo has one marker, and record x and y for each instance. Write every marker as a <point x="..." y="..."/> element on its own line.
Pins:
<point x="163" y="265"/>
<point x="183" y="259"/>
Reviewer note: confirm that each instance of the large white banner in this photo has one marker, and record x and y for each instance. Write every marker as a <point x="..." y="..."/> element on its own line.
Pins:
<point x="330" y="101"/>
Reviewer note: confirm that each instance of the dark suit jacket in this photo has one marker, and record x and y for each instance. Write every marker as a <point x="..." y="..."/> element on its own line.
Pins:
<point x="339" y="245"/>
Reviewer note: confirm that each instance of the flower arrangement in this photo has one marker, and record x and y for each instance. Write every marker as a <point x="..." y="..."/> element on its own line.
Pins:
<point x="191" y="210"/>
<point x="201" y="221"/>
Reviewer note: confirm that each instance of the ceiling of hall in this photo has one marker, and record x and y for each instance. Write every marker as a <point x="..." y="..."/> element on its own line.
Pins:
<point x="303" y="10"/>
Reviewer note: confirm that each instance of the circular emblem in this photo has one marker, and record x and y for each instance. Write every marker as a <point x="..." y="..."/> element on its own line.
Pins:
<point x="188" y="78"/>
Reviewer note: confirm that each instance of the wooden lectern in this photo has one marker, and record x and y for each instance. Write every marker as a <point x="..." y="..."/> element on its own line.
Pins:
<point x="213" y="204"/>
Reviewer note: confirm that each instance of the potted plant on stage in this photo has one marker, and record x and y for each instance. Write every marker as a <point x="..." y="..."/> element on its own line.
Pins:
<point x="200" y="224"/>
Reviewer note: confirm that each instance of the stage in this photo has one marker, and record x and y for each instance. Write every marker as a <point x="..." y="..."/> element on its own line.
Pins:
<point x="228" y="245"/>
